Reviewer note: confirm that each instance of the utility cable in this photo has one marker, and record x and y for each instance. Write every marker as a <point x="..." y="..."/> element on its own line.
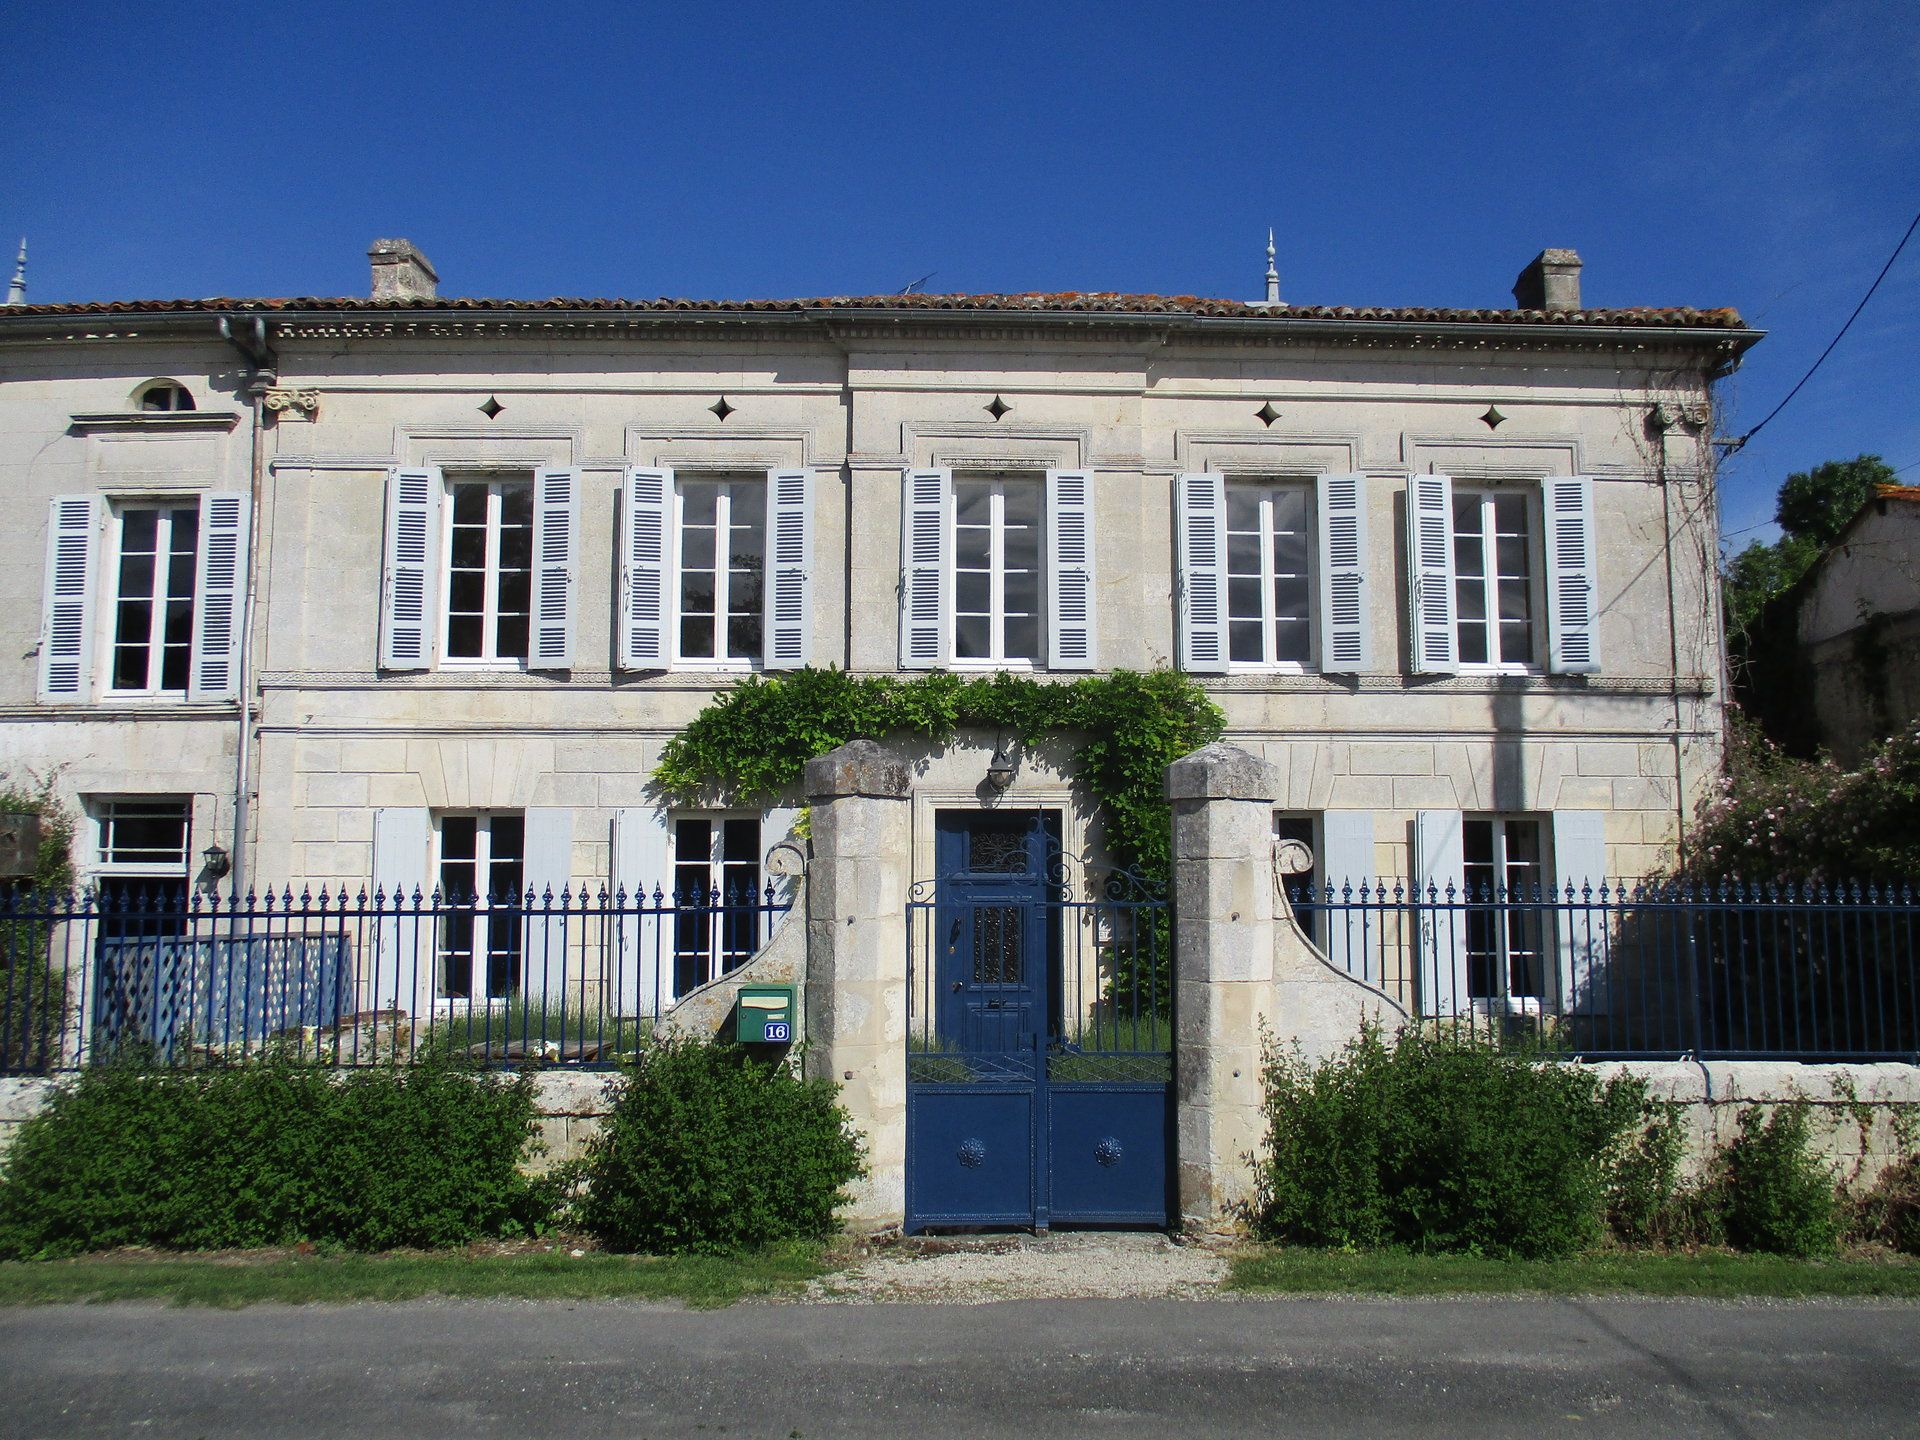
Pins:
<point x="1732" y="445"/>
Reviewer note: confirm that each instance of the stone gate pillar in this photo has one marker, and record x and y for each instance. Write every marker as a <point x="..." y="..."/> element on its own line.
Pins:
<point x="856" y="993"/>
<point x="1224" y="932"/>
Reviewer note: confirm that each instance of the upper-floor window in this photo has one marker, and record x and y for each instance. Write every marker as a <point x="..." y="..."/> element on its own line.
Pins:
<point x="166" y="395"/>
<point x="997" y="571"/>
<point x="489" y="570"/>
<point x="155" y="554"/>
<point x="1493" y="578"/>
<point x="1269" y="532"/>
<point x="721" y="552"/>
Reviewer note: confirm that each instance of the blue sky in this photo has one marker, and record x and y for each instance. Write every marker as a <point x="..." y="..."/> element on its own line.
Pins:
<point x="1757" y="153"/>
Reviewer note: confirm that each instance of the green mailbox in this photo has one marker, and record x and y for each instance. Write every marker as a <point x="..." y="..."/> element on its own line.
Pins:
<point x="765" y="1015"/>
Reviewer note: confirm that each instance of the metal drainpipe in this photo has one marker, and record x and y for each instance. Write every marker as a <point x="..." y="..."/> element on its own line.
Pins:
<point x="261" y="374"/>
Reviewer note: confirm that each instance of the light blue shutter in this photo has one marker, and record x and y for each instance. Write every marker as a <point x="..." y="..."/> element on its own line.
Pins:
<point x="556" y="526"/>
<point x="1346" y="864"/>
<point x="926" y="570"/>
<point x="1200" y="520"/>
<point x="219" y="598"/>
<point x="1573" y="621"/>
<point x="1579" y="872"/>
<point x="788" y="626"/>
<point x="407" y="618"/>
<point x="645" y="938"/>
<point x="646" y="543"/>
<point x="546" y="870"/>
<point x="66" y="625"/>
<point x="1436" y="648"/>
<point x="1440" y="878"/>
<point x="1346" y="631"/>
<point x="404" y="939"/>
<point x="1070" y="621"/>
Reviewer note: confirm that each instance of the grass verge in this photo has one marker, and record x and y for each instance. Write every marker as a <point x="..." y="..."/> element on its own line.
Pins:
<point x="1703" y="1275"/>
<point x="229" y="1282"/>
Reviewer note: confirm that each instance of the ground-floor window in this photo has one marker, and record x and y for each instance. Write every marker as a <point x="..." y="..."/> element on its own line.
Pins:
<point x="1505" y="876"/>
<point x="717" y="899"/>
<point x="482" y="879"/>
<point x="1301" y="827"/>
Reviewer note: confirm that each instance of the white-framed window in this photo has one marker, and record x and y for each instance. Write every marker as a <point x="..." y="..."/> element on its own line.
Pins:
<point x="155" y="561"/>
<point x="998" y="542"/>
<point x="164" y="395"/>
<point x="1494" y="579"/>
<point x="482" y="875"/>
<point x="488" y="565"/>
<point x="1508" y="944"/>
<point x="1269" y="531"/>
<point x="147" y="835"/>
<point x="720" y="526"/>
<point x="718" y="895"/>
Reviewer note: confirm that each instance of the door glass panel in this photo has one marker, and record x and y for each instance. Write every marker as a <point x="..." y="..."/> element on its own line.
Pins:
<point x="996" y="945"/>
<point x="1002" y="852"/>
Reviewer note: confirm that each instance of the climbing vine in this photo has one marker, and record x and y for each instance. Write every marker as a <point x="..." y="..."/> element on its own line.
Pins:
<point x="755" y="738"/>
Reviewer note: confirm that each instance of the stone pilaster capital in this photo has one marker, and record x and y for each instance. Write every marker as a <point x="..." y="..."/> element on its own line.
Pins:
<point x="1222" y="772"/>
<point x="859" y="767"/>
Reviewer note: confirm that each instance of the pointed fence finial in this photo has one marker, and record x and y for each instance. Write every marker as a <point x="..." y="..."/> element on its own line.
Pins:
<point x="1273" y="275"/>
<point x="17" y="289"/>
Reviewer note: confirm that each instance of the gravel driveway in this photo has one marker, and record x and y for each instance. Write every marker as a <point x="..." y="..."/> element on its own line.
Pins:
<point x="976" y="1270"/>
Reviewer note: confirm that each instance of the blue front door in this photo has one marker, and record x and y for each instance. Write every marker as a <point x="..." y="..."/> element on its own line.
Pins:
<point x="991" y="951"/>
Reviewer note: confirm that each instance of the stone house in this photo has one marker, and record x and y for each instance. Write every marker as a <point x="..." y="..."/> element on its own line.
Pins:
<point x="410" y="590"/>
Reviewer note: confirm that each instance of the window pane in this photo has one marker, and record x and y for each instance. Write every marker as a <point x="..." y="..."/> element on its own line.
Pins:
<point x="1510" y="514"/>
<point x="516" y="504"/>
<point x="1243" y="641"/>
<point x="174" y="665"/>
<point x="179" y="623"/>
<point x="133" y="622"/>
<point x="1290" y="552"/>
<point x="698" y="501"/>
<point x="137" y="529"/>
<point x="1243" y="599"/>
<point x="469" y="546"/>
<point x="516" y="548"/>
<point x="749" y="504"/>
<point x="1468" y="556"/>
<point x="510" y="637"/>
<point x="1023" y="637"/>
<point x="972" y="502"/>
<point x="466" y="591"/>
<point x="1515" y="600"/>
<point x="1466" y="515"/>
<point x="740" y="840"/>
<point x="516" y="586"/>
<point x="136" y="574"/>
<point x="972" y="591"/>
<point x="696" y="547"/>
<point x="970" y="637"/>
<point x="1022" y="503"/>
<point x="1022" y="592"/>
<point x="1476" y="841"/>
<point x="1293" y="641"/>
<point x="1512" y="553"/>
<point x="464" y="633"/>
<point x="457" y="836"/>
<point x="1473" y="645"/>
<point x="743" y="636"/>
<point x="970" y="549"/>
<point x="1470" y="598"/>
<point x="470" y="504"/>
<point x="1290" y="597"/>
<point x="180" y="575"/>
<point x="696" y="591"/>
<point x="1243" y="554"/>
<point x="696" y="637"/>
<point x="1290" y="510"/>
<point x="1243" y="508"/>
<point x="1516" y="642"/>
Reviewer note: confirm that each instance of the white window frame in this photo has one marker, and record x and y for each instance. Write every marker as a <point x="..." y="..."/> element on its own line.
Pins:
<point x="727" y="481"/>
<point x="101" y="810"/>
<point x="716" y="863"/>
<point x="481" y="905"/>
<point x="997" y="572"/>
<point x="1484" y="497"/>
<point x="1546" y="956"/>
<point x="107" y="641"/>
<point x="1268" y="665"/>
<point x="490" y="614"/>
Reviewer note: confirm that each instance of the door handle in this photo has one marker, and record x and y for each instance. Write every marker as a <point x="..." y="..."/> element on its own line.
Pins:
<point x="958" y="986"/>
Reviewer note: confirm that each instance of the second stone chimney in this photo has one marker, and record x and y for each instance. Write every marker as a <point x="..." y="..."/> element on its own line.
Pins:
<point x="1551" y="281"/>
<point x="401" y="272"/>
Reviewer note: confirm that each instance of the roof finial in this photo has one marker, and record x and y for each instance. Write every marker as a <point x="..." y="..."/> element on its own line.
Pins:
<point x="1273" y="275"/>
<point x="17" y="290"/>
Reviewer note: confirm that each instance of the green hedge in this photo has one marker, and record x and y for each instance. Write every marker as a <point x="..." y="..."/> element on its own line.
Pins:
<point x="272" y="1152"/>
<point x="708" y="1151"/>
<point x="1440" y="1144"/>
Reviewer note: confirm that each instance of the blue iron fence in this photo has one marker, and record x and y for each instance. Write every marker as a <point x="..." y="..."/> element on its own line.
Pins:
<point x="578" y="977"/>
<point x="1829" y="972"/>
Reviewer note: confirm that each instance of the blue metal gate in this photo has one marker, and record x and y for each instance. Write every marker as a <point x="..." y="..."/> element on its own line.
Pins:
<point x="1040" y="1035"/>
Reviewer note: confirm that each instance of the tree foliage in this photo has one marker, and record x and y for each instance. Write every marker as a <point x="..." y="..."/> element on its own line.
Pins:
<point x="754" y="740"/>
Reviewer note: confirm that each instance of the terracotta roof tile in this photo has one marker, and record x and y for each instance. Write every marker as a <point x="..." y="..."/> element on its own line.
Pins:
<point x="1069" y="302"/>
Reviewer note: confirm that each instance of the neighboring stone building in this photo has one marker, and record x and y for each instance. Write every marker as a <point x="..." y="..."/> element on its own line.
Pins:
<point x="1857" y="622"/>
<point x="1447" y="571"/>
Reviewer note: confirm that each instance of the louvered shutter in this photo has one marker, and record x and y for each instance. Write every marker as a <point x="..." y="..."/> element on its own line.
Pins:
<point x="788" y="626"/>
<point x="1346" y="631"/>
<point x="640" y="870"/>
<point x="1070" y="625"/>
<point x="926" y="570"/>
<point x="1573" y="619"/>
<point x="646" y="545"/>
<point x="1201" y="522"/>
<point x="407" y="618"/>
<point x="1440" y="879"/>
<point x="1436" y="646"/>
<point x="547" y="868"/>
<point x="1580" y="919"/>
<point x="556" y="526"/>
<point x="405" y="935"/>
<point x="1346" y="865"/>
<point x="66" y="628"/>
<point x="219" y="598"/>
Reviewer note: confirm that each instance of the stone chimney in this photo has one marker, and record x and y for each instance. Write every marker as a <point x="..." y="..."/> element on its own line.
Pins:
<point x="1550" y="282"/>
<point x="401" y="272"/>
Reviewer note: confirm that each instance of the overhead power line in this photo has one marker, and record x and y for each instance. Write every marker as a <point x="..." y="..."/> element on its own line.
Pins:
<point x="1733" y="445"/>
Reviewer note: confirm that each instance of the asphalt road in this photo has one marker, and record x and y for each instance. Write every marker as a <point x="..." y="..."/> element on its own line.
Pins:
<point x="1031" y="1369"/>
